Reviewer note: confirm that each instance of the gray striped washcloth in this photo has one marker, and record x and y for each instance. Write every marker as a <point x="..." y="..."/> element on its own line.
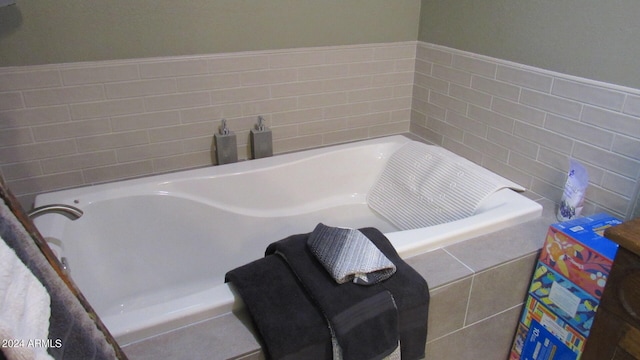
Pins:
<point x="348" y="255"/>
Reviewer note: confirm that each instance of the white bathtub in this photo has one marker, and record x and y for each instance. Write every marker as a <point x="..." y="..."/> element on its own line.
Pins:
<point x="150" y="254"/>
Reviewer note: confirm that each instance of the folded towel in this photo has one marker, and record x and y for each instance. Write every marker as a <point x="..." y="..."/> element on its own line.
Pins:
<point x="24" y="308"/>
<point x="364" y="319"/>
<point x="408" y="289"/>
<point x="293" y="325"/>
<point x="348" y="255"/>
<point x="411" y="294"/>
<point x="424" y="185"/>
<point x="290" y="325"/>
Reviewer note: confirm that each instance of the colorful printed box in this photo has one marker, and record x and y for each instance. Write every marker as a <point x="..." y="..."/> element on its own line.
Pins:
<point x="536" y="312"/>
<point x="518" y="342"/>
<point x="577" y="250"/>
<point x="541" y="344"/>
<point x="564" y="298"/>
<point x="564" y="295"/>
<point x="552" y="322"/>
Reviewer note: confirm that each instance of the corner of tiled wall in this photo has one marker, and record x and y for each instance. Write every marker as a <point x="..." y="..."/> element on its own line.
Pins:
<point x="525" y="123"/>
<point x="68" y="125"/>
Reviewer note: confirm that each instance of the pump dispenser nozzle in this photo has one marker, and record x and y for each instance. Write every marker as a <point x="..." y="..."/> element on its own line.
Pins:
<point x="226" y="146"/>
<point x="261" y="140"/>
<point x="224" y="130"/>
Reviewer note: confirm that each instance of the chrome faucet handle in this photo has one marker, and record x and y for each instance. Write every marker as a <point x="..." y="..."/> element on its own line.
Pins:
<point x="69" y="211"/>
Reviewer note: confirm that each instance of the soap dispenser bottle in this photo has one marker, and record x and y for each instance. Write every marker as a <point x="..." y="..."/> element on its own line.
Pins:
<point x="261" y="140"/>
<point x="226" y="145"/>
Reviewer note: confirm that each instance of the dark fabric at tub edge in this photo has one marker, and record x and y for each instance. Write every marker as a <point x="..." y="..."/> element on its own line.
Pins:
<point x="411" y="293"/>
<point x="412" y="297"/>
<point x="409" y="289"/>
<point x="279" y="309"/>
<point x="366" y="332"/>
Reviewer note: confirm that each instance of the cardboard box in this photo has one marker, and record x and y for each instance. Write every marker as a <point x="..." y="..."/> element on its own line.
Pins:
<point x="541" y="344"/>
<point x="518" y="342"/>
<point x="577" y="250"/>
<point x="564" y="295"/>
<point x="536" y="312"/>
<point x="564" y="298"/>
<point x="552" y="322"/>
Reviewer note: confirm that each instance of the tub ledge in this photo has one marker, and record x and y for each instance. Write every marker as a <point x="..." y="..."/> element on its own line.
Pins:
<point x="450" y="271"/>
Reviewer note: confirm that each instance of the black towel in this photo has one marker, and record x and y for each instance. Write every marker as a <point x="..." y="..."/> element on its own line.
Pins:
<point x="408" y="288"/>
<point x="364" y="319"/>
<point x="411" y="293"/>
<point x="290" y="325"/>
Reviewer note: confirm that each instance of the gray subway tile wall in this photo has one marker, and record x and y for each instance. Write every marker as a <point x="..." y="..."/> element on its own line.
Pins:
<point x="533" y="122"/>
<point x="632" y="106"/>
<point x="68" y="125"/>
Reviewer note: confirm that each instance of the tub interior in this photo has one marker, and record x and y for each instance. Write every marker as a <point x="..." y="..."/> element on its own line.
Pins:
<point x="150" y="254"/>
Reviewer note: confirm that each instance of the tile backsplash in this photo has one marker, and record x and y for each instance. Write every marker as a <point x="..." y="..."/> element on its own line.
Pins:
<point x="68" y="125"/>
<point x="525" y="123"/>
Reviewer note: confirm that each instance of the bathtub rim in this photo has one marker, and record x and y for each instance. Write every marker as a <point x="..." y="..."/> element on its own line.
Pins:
<point x="212" y="170"/>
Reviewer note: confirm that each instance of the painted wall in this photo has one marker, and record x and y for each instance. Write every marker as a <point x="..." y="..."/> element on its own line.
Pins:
<point x="588" y="38"/>
<point x="45" y="31"/>
<point x="593" y="39"/>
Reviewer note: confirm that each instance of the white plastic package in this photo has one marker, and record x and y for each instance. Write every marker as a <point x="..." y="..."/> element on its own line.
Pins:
<point x="574" y="192"/>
